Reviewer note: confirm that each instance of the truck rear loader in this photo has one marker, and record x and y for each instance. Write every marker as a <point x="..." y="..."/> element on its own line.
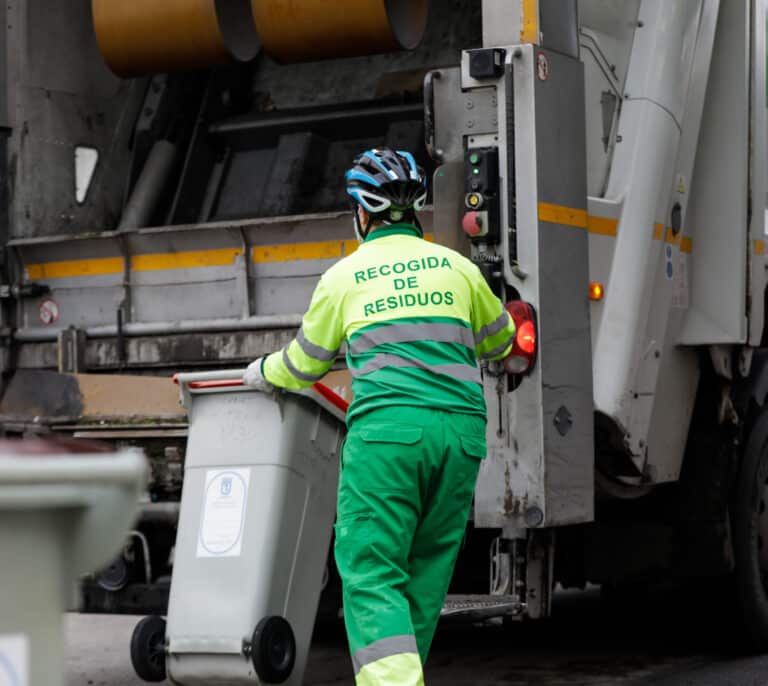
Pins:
<point x="174" y="192"/>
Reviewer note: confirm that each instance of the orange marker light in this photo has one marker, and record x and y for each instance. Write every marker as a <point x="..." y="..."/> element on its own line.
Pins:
<point x="596" y="291"/>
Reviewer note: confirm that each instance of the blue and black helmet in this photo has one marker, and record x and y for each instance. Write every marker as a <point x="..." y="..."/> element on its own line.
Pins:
<point x="388" y="184"/>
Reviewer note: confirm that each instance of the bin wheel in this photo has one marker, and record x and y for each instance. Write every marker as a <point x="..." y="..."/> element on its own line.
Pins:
<point x="148" y="649"/>
<point x="273" y="650"/>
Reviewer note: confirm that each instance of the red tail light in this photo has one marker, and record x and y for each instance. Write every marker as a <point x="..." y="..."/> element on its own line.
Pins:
<point x="523" y="356"/>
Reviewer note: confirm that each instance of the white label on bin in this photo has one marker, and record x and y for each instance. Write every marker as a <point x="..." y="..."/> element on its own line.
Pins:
<point x="14" y="660"/>
<point x="223" y="519"/>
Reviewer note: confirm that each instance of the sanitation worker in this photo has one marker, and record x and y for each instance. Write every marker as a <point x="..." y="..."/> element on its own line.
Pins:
<point x="415" y="317"/>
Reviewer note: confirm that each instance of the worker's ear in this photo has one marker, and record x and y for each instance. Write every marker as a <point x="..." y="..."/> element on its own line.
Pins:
<point x="363" y="215"/>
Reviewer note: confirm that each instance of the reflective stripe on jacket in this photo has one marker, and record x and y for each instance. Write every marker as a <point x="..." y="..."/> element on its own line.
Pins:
<point x="415" y="316"/>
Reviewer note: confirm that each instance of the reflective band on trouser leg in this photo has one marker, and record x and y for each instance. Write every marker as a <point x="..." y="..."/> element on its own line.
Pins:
<point x="442" y="526"/>
<point x="403" y="669"/>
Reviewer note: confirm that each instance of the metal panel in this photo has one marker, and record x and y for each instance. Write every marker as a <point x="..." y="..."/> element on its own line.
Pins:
<point x="564" y="333"/>
<point x="502" y="22"/>
<point x="178" y="291"/>
<point x="200" y="273"/>
<point x="541" y="454"/>
<point x="717" y="209"/>
<point x="169" y="352"/>
<point x="84" y="300"/>
<point x="667" y="375"/>
<point x="601" y="247"/>
<point x="606" y="35"/>
<point x="560" y="26"/>
<point x="5" y="120"/>
<point x="642" y="176"/>
<point x="459" y="112"/>
<point x="63" y="96"/>
<point x="759" y="174"/>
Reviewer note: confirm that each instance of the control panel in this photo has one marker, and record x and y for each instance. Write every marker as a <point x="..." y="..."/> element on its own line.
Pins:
<point x="481" y="201"/>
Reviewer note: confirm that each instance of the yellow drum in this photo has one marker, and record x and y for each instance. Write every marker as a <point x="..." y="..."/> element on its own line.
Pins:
<point x="150" y="36"/>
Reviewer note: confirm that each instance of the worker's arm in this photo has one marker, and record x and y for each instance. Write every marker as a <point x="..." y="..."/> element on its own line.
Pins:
<point x="309" y="356"/>
<point x="494" y="329"/>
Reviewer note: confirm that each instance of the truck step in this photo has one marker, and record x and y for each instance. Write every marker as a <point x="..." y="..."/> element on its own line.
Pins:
<point x="481" y="606"/>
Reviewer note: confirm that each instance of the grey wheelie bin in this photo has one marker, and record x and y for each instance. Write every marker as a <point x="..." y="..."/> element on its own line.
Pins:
<point x="65" y="507"/>
<point x="255" y="524"/>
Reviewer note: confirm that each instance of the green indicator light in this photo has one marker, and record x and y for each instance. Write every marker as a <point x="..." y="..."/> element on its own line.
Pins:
<point x="474" y="158"/>
<point x="476" y="171"/>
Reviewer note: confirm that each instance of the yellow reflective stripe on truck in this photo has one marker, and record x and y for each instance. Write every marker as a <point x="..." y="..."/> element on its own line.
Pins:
<point x="73" y="268"/>
<point x="102" y="266"/>
<point x="683" y="242"/>
<point x="185" y="260"/>
<point x="605" y="226"/>
<point x="602" y="226"/>
<point x="218" y="257"/>
<point x="569" y="216"/>
<point x="288" y="252"/>
<point x="530" y="29"/>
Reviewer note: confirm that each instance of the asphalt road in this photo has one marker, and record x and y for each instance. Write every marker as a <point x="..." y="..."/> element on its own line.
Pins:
<point x="586" y="643"/>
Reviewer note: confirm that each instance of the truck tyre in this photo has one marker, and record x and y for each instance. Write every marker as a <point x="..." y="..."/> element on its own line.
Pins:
<point x="148" y="649"/>
<point x="749" y="519"/>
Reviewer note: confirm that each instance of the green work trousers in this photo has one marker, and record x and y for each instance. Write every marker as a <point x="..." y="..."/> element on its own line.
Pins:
<point x="407" y="480"/>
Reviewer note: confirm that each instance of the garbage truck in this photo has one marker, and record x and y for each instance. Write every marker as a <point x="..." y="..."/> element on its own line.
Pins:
<point x="173" y="194"/>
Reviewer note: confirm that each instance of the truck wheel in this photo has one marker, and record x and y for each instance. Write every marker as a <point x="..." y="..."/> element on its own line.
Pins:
<point x="750" y="538"/>
<point x="273" y="650"/>
<point x="148" y="649"/>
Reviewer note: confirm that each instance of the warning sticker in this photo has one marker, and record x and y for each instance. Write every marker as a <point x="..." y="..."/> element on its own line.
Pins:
<point x="680" y="289"/>
<point x="49" y="312"/>
<point x="223" y="518"/>
<point x="14" y="660"/>
<point x="542" y="66"/>
<point x="669" y="266"/>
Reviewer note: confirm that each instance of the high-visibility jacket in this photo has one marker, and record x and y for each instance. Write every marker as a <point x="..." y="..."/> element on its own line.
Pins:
<point x="415" y="317"/>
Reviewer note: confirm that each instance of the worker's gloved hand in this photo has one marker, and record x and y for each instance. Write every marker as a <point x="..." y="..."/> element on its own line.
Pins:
<point x="254" y="377"/>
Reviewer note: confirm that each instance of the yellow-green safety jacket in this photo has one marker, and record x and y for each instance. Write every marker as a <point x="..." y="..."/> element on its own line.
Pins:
<point x="415" y="317"/>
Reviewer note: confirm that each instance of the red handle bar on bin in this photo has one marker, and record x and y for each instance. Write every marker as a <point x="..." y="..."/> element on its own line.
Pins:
<point x="226" y="383"/>
<point x="331" y="396"/>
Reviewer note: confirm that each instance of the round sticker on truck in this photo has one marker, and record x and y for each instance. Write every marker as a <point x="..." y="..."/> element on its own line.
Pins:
<point x="49" y="312"/>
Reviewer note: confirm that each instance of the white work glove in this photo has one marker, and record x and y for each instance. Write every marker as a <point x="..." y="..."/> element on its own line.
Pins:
<point x="254" y="377"/>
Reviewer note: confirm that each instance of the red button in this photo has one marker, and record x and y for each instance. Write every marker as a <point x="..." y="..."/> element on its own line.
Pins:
<point x="472" y="224"/>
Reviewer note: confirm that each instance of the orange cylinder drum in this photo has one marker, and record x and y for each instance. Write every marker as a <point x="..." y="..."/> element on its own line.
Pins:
<point x="305" y="30"/>
<point x="148" y="36"/>
<point x="139" y="37"/>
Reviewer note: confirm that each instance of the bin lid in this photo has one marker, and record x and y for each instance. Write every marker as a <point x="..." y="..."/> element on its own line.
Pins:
<point x="53" y="446"/>
<point x="232" y="380"/>
<point x="27" y="464"/>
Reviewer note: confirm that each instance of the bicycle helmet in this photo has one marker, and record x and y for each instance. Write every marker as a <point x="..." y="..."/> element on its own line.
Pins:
<point x="389" y="185"/>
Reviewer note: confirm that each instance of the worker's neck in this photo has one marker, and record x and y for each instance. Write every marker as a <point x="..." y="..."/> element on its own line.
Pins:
<point x="381" y="230"/>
